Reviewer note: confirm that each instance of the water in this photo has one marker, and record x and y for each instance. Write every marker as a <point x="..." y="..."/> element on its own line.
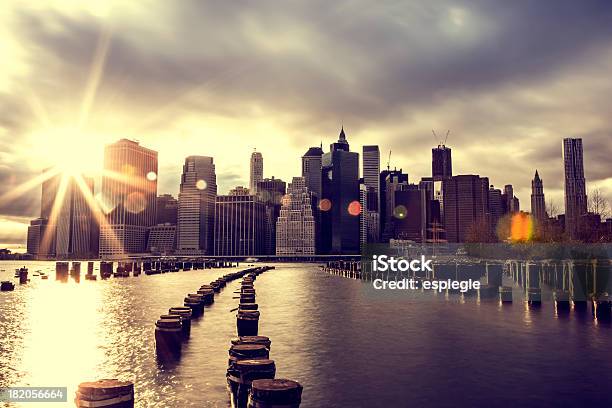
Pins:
<point x="347" y="347"/>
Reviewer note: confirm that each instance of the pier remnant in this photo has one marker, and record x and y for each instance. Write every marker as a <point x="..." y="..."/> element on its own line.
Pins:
<point x="275" y="393"/>
<point x="105" y="393"/>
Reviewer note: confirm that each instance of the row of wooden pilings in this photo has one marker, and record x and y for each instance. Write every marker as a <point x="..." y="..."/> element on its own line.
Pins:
<point x="125" y="269"/>
<point x="171" y="330"/>
<point x="251" y="373"/>
<point x="573" y="283"/>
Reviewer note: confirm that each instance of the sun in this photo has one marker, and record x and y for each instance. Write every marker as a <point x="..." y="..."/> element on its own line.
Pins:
<point x="70" y="151"/>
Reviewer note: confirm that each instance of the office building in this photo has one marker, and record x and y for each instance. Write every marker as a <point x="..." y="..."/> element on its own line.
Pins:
<point x="196" y="206"/>
<point x="240" y="225"/>
<point x="311" y="169"/>
<point x="441" y="163"/>
<point x="538" y="203"/>
<point x="128" y="197"/>
<point x="77" y="231"/>
<point x="390" y="181"/>
<point x="466" y="203"/>
<point x="340" y="199"/>
<point x="256" y="172"/>
<point x="575" y="185"/>
<point x="271" y="193"/>
<point x="371" y="173"/>
<point x="162" y="239"/>
<point x="41" y="239"/>
<point x="295" y="227"/>
<point x="510" y="202"/>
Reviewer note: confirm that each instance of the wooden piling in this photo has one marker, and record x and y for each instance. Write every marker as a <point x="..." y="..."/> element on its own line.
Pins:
<point x="275" y="393"/>
<point x="241" y="375"/>
<point x="105" y="393"/>
<point x="247" y="322"/>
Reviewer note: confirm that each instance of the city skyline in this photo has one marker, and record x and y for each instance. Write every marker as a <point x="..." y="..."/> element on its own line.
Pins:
<point x="84" y="77"/>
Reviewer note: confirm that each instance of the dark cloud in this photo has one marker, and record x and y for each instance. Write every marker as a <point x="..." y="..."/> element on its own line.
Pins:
<point x="510" y="78"/>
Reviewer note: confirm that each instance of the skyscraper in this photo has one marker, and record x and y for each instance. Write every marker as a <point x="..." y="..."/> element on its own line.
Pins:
<point x="76" y="225"/>
<point x="295" y="227"/>
<point x="441" y="162"/>
<point x="340" y="199"/>
<point x="41" y="241"/>
<point x="196" y="206"/>
<point x="49" y="192"/>
<point x="371" y="173"/>
<point x="510" y="202"/>
<point x="538" y="204"/>
<point x="256" y="171"/>
<point x="390" y="180"/>
<point x="311" y="169"/>
<point x="271" y="192"/>
<point x="496" y="205"/>
<point x="129" y="190"/>
<point x="466" y="202"/>
<point x="575" y="185"/>
<point x="240" y="222"/>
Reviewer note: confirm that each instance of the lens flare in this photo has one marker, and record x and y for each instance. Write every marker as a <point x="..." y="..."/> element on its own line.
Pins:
<point x="325" y="205"/>
<point x="521" y="228"/>
<point x="135" y="203"/>
<point x="201" y="185"/>
<point x="354" y="208"/>
<point x="151" y="176"/>
<point x="400" y="212"/>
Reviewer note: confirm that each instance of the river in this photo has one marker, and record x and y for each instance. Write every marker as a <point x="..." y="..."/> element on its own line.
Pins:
<point x="346" y="346"/>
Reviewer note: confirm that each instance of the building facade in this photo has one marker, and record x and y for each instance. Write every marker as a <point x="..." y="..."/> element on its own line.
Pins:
<point x="340" y="199"/>
<point x="311" y="169"/>
<point x="41" y="239"/>
<point x="77" y="231"/>
<point x="162" y="239"/>
<point x="240" y="225"/>
<point x="196" y="206"/>
<point x="466" y="203"/>
<point x="271" y="193"/>
<point x="256" y="171"/>
<point x="575" y="185"/>
<point x="295" y="227"/>
<point x="166" y="210"/>
<point x="538" y="202"/>
<point x="128" y="197"/>
<point x="441" y="163"/>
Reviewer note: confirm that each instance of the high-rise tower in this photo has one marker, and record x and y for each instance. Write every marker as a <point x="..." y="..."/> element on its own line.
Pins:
<point x="256" y="171"/>
<point x="77" y="228"/>
<point x="441" y="163"/>
<point x="129" y="191"/>
<point x="575" y="185"/>
<point x="538" y="204"/>
<point x="196" y="206"/>
<point x="340" y="199"/>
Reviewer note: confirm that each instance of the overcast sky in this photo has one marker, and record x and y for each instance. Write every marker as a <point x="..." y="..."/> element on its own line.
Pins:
<point x="510" y="79"/>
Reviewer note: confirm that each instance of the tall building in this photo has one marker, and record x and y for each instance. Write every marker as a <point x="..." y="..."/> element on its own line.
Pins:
<point x="41" y="239"/>
<point x="77" y="232"/>
<point x="441" y="162"/>
<point x="496" y="205"/>
<point x="240" y="223"/>
<point x="371" y="173"/>
<point x="311" y="169"/>
<point x="575" y="185"/>
<point x="510" y="202"/>
<point x="295" y="227"/>
<point x="392" y="181"/>
<point x="538" y="203"/>
<point x="388" y="176"/>
<point x="340" y="199"/>
<point x="407" y="218"/>
<point x="49" y="192"/>
<point x="129" y="191"/>
<point x="166" y="209"/>
<point x="256" y="171"/>
<point x="271" y="192"/>
<point x="466" y="202"/>
<point x="196" y="206"/>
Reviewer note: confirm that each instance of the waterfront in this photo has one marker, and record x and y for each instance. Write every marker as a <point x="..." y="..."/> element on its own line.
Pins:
<point x="347" y="347"/>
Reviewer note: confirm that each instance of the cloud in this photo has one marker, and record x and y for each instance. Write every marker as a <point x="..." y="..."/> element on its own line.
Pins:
<point x="510" y="79"/>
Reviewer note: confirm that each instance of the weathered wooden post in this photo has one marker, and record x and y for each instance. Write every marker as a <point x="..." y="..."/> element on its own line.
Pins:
<point x="247" y="322"/>
<point x="105" y="393"/>
<point x="196" y="303"/>
<point x="241" y="374"/>
<point x="168" y="337"/>
<point x="185" y="314"/>
<point x="263" y="340"/>
<point x="275" y="393"/>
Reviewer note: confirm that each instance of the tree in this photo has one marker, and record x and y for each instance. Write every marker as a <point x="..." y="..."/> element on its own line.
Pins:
<point x="552" y="209"/>
<point x="598" y="204"/>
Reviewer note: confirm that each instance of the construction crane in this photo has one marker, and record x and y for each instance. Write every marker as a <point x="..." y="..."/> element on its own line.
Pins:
<point x="389" y="161"/>
<point x="438" y="140"/>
